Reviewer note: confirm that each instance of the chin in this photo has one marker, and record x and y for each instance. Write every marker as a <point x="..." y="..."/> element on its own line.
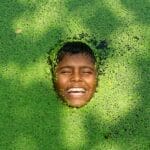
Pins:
<point x="76" y="103"/>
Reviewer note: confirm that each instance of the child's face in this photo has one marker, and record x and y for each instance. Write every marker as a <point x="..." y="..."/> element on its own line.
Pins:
<point x="76" y="79"/>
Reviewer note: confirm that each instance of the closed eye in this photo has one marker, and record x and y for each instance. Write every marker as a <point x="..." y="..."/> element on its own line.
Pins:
<point x="86" y="71"/>
<point x="66" y="71"/>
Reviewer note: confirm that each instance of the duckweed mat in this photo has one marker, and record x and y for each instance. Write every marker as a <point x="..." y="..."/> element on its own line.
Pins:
<point x="31" y="115"/>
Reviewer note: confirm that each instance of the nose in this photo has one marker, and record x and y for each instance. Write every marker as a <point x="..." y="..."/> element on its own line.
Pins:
<point x="76" y="76"/>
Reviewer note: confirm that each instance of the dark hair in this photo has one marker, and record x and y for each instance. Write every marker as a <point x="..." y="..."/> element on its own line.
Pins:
<point x="75" y="47"/>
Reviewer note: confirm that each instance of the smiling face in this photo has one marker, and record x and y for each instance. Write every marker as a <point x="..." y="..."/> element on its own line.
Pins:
<point x="76" y="79"/>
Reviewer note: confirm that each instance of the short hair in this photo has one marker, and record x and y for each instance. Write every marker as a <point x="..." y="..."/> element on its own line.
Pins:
<point x="75" y="47"/>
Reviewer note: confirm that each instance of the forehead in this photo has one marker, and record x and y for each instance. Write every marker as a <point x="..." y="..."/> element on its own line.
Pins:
<point x="76" y="59"/>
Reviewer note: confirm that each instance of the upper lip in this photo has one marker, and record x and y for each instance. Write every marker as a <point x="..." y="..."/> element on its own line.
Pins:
<point x="76" y="89"/>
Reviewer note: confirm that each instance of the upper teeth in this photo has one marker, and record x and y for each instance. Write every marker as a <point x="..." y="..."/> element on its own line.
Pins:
<point x="76" y="90"/>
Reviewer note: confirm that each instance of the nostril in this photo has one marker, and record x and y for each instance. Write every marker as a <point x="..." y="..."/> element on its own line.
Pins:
<point x="76" y="77"/>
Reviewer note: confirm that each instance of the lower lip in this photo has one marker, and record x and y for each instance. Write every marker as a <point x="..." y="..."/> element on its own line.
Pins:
<point x="76" y="94"/>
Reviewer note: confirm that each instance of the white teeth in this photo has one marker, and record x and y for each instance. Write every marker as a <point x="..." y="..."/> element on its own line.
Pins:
<point x="76" y="90"/>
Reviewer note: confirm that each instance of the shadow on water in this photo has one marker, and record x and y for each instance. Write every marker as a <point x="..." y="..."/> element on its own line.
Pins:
<point x="11" y="46"/>
<point x="29" y="115"/>
<point x="140" y="8"/>
<point x="131" y="131"/>
<point x="94" y="16"/>
<point x="75" y="5"/>
<point x="23" y="48"/>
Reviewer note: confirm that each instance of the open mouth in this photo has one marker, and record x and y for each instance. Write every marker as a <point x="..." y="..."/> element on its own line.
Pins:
<point x="76" y="91"/>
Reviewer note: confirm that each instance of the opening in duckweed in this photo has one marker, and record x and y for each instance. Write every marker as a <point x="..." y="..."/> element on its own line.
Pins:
<point x="76" y="65"/>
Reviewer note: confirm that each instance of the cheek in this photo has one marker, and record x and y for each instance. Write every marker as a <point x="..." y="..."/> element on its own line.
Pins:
<point x="92" y="82"/>
<point x="61" y="82"/>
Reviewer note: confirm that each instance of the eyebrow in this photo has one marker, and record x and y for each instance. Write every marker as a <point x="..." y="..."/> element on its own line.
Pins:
<point x="83" y="67"/>
<point x="64" y="67"/>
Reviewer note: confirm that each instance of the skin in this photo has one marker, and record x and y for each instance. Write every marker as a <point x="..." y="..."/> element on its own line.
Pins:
<point x="76" y="72"/>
